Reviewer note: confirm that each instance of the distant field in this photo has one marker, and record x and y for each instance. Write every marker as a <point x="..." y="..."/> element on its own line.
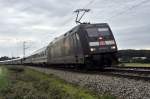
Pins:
<point x="136" y="64"/>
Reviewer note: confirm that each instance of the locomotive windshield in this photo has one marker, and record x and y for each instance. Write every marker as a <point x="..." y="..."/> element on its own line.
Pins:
<point x="94" y="32"/>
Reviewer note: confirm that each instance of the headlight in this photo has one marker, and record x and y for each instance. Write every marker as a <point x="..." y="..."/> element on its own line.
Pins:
<point x="92" y="49"/>
<point x="113" y="47"/>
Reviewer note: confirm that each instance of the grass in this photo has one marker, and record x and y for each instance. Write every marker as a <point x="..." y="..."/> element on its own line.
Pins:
<point x="3" y="78"/>
<point x="31" y="84"/>
<point x="135" y="64"/>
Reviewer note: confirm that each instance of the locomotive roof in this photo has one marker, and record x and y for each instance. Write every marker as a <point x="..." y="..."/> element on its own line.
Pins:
<point x="63" y="35"/>
<point x="95" y="24"/>
<point x="76" y="28"/>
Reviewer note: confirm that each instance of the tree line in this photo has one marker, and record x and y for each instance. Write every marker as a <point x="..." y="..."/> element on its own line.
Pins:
<point x="141" y="56"/>
<point x="7" y="58"/>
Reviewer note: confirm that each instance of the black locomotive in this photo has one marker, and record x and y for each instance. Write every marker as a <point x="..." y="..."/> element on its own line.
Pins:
<point x="86" y="45"/>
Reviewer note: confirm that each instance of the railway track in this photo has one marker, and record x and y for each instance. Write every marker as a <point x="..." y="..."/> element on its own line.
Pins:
<point x="125" y="72"/>
<point x="131" y="73"/>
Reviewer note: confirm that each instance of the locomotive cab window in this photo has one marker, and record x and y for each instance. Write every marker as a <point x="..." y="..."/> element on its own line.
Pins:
<point x="94" y="32"/>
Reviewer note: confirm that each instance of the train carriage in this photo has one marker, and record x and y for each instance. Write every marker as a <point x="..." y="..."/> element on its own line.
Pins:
<point x="39" y="56"/>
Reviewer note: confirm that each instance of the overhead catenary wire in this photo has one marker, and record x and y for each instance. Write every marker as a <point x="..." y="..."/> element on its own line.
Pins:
<point x="89" y="3"/>
<point x="122" y="12"/>
<point x="128" y="9"/>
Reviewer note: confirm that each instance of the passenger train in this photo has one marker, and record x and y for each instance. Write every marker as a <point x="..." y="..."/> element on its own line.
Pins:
<point x="86" y="46"/>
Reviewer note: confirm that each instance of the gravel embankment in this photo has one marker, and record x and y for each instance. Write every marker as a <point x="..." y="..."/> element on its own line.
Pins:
<point x="123" y="88"/>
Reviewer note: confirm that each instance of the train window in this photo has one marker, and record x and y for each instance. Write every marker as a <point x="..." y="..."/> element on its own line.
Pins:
<point x="94" y="32"/>
<point x="104" y="31"/>
<point x="45" y="52"/>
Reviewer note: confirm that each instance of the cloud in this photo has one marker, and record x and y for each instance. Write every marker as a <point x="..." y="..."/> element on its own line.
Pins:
<point x="40" y="21"/>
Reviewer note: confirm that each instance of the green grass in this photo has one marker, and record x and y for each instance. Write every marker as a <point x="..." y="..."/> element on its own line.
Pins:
<point x="65" y="90"/>
<point x="3" y="78"/>
<point x="135" y="64"/>
<point x="31" y="84"/>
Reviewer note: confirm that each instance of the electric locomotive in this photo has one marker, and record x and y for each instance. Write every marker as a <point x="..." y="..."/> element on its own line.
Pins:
<point x="85" y="46"/>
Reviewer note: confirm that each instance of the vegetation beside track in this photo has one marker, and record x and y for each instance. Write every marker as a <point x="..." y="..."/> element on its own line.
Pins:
<point x="30" y="84"/>
<point x="4" y="82"/>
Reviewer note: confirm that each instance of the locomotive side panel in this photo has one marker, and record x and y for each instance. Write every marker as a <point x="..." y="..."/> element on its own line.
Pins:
<point x="66" y="50"/>
<point x="61" y="52"/>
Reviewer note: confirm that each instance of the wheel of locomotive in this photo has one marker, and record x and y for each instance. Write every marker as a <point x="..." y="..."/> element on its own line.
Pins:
<point x="80" y="67"/>
<point x="89" y="65"/>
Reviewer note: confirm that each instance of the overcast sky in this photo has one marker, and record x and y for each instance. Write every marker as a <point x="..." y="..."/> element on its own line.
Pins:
<point x="39" y="21"/>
